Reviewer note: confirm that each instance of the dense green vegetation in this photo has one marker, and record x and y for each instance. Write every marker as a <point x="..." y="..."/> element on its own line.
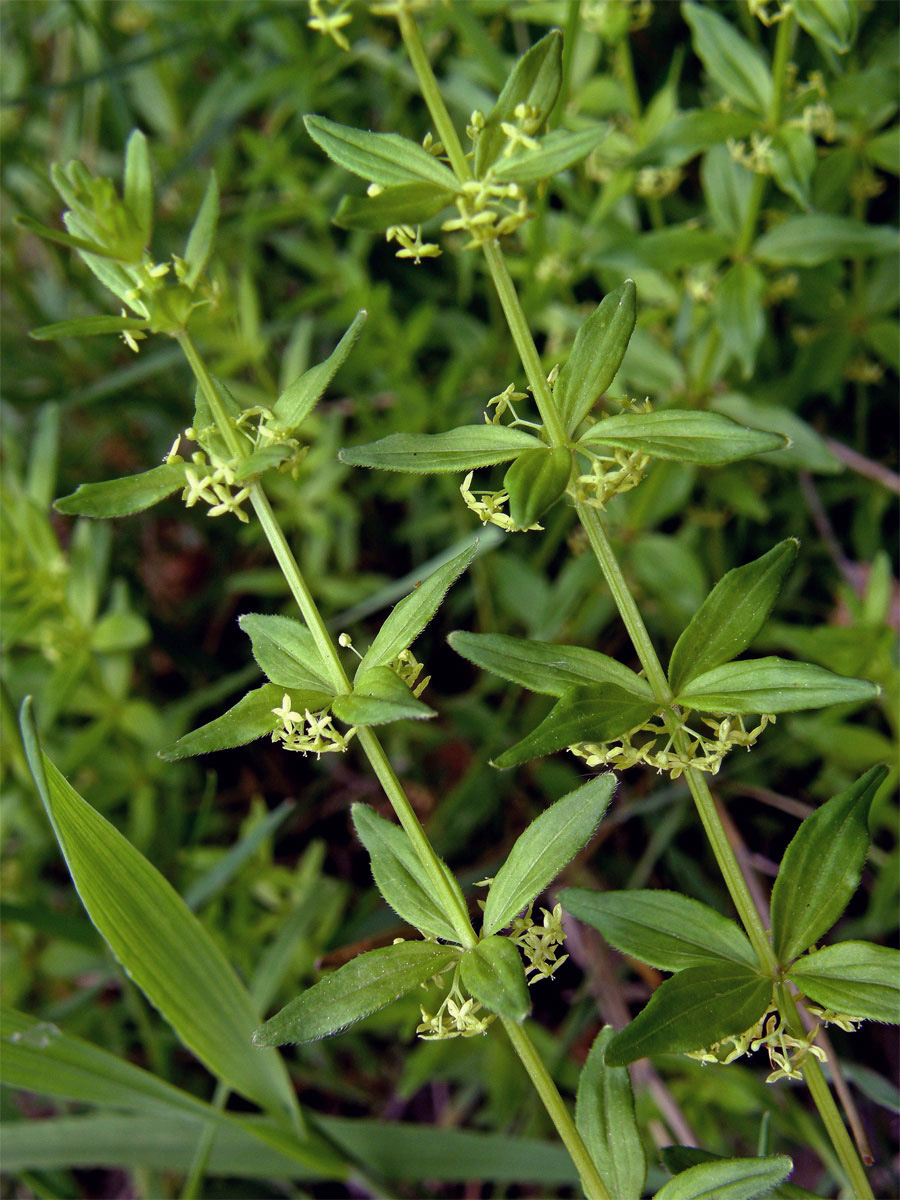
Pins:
<point x="648" y="329"/>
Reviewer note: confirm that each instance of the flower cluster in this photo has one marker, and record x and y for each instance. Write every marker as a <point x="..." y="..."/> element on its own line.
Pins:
<point x="457" y="1016"/>
<point x="488" y="210"/>
<point x="329" y="17"/>
<point x="490" y="508"/>
<point x="309" y="732"/>
<point x="408" y="668"/>
<point x="539" y="942"/>
<point x="704" y="753"/>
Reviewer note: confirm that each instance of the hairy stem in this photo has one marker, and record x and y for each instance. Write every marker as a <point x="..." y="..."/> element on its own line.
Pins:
<point x="453" y="907"/>
<point x="593" y="1185"/>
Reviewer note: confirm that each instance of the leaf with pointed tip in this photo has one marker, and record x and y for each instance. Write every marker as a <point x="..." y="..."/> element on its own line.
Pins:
<point x="410" y="615"/>
<point x="604" y="1116"/>
<point x="49" y="234"/>
<point x="583" y="714"/>
<point x="379" y="696"/>
<point x="299" y="398"/>
<point x="404" y="204"/>
<point x="119" y="497"/>
<point x="733" y="62"/>
<point x="698" y="1006"/>
<point x="138" y="183"/>
<point x="384" y="158"/>
<point x="708" y="438"/>
<point x="535" y="82"/>
<point x="596" y="355"/>
<point x="728" y="1179"/>
<point x="251" y="718"/>
<point x="856" y="978"/>
<point x="286" y="651"/>
<point x="493" y="973"/>
<point x="400" y="876"/>
<point x="461" y="449"/>
<point x="664" y="929"/>
<point x="555" y="152"/>
<point x="731" y="615"/>
<point x="545" y="667"/>
<point x="364" y="985"/>
<point x="772" y="685"/>
<point x="821" y="868"/>
<point x="815" y="238"/>
<point x="87" y="327"/>
<point x="539" y="854"/>
<point x="203" y="231"/>
<point x="535" y="481"/>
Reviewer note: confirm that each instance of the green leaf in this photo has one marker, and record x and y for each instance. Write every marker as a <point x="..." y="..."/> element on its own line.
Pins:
<point x="299" y="398"/>
<point x="728" y="1179"/>
<point x="856" y="978"/>
<point x="87" y="327"/>
<point x="539" y="854"/>
<point x="821" y="867"/>
<point x="545" y="667"/>
<point x="404" y="204"/>
<point x="832" y="23"/>
<point x="399" y="876"/>
<point x="493" y="973"/>
<point x="384" y="158"/>
<point x="596" y="355"/>
<point x="816" y="238"/>
<point x="535" y="481"/>
<point x="729" y="58"/>
<point x="120" y="497"/>
<point x="680" y="1158"/>
<point x="535" y="82"/>
<point x="604" y="1115"/>
<point x="286" y="651"/>
<point x="583" y="714"/>
<point x="556" y="152"/>
<point x="793" y="162"/>
<point x="203" y="231"/>
<point x="138" y="184"/>
<point x="63" y="239"/>
<point x="461" y="449"/>
<point x="696" y="437"/>
<point x="727" y="189"/>
<point x="772" y="685"/>
<point x="158" y="940"/>
<point x="690" y="132"/>
<point x="379" y="696"/>
<point x="362" y="986"/>
<point x="698" y="1006"/>
<point x="731" y="615"/>
<point x="664" y="929"/>
<point x="409" y="617"/>
<point x="738" y="308"/>
<point x="251" y="718"/>
<point x="808" y="449"/>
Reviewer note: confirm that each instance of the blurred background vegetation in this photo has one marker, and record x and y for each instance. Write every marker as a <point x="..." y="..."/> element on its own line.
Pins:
<point x="126" y="633"/>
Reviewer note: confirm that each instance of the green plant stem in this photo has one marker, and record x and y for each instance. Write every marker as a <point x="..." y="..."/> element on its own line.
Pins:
<point x="824" y="1102"/>
<point x="593" y="1185"/>
<point x="453" y="906"/>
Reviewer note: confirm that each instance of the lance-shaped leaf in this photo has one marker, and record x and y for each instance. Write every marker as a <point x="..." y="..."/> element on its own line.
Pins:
<point x="831" y="22"/>
<point x="728" y="1179"/>
<point x="286" y="651"/>
<point x="604" y="1115"/>
<point x="664" y="929"/>
<point x="461" y="449"/>
<point x="731" y="615"/>
<point x="203" y="231"/>
<point x="545" y="667"/>
<point x="698" y="1006"/>
<point x="49" y="234"/>
<point x="409" y="617"/>
<point x="299" y="398"/>
<point x="535" y="481"/>
<point x="379" y="696"/>
<point x="815" y="238"/>
<point x="362" y="986"/>
<point x="138" y="183"/>
<point x="554" y="153"/>
<point x="120" y="497"/>
<point x="87" y="327"/>
<point x="596" y="355"/>
<point x="772" y="685"/>
<point x="158" y="940"/>
<point x="543" y="849"/>
<point x="710" y="439"/>
<point x="534" y="82"/>
<point x="385" y="158"/>
<point x="405" y="204"/>
<point x="251" y="718"/>
<point x="400" y="876"/>
<point x="583" y="714"/>
<point x="493" y="973"/>
<point x="732" y="61"/>
<point x="821" y="868"/>
<point x="856" y="978"/>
